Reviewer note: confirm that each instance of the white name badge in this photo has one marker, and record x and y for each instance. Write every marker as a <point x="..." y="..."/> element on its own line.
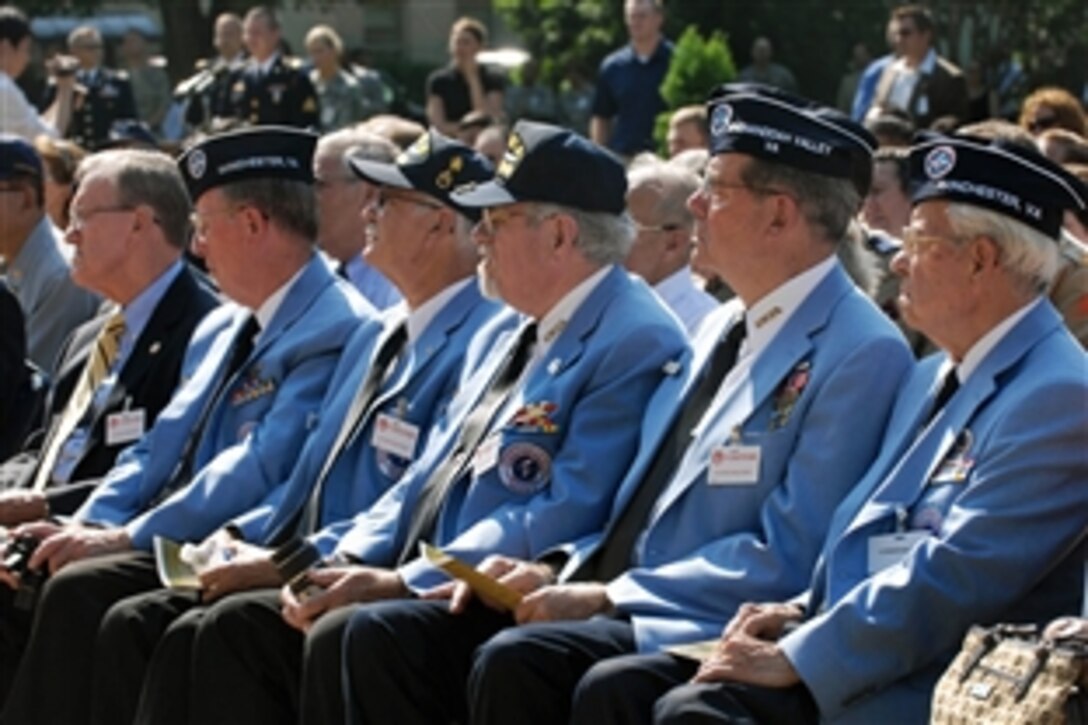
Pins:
<point x="487" y="455"/>
<point x="124" y="427"/>
<point x="395" y="436"/>
<point x="734" y="465"/>
<point x="889" y="549"/>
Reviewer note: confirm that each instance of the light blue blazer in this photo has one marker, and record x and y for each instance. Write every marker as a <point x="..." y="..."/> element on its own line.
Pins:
<point x="416" y="392"/>
<point x="565" y="440"/>
<point x="256" y="428"/>
<point x="708" y="548"/>
<point x="999" y="481"/>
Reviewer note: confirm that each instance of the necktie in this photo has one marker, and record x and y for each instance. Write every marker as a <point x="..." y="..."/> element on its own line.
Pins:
<point x="342" y="271"/>
<point x="948" y="389"/>
<point x="477" y="423"/>
<point x="353" y="420"/>
<point x="240" y="350"/>
<point x="613" y="556"/>
<point x="97" y="369"/>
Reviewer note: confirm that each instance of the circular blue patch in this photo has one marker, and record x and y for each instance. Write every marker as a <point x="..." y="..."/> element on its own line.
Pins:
<point x="719" y="121"/>
<point x="940" y="161"/>
<point x="525" y="468"/>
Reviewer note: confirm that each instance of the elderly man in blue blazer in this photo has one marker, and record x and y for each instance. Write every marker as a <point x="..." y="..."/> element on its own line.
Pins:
<point x="255" y="376"/>
<point x="393" y="382"/>
<point x="741" y="461"/>
<point x="528" y="455"/>
<point x="975" y="510"/>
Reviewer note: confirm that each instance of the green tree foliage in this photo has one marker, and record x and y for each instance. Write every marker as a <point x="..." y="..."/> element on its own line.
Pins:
<point x="698" y="65"/>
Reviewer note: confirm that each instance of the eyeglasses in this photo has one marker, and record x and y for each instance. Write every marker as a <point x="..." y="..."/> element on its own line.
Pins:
<point x="915" y="242"/>
<point x="77" y="220"/>
<point x="656" y="227"/>
<point x="385" y="196"/>
<point x="904" y="32"/>
<point x="1042" y="124"/>
<point x="199" y="220"/>
<point x="709" y="185"/>
<point x="491" y="220"/>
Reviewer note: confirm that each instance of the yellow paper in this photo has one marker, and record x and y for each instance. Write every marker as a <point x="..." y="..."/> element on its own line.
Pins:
<point x="483" y="585"/>
<point x="698" y="651"/>
<point x="173" y="572"/>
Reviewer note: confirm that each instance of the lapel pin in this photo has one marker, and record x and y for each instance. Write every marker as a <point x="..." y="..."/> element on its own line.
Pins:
<point x="155" y="347"/>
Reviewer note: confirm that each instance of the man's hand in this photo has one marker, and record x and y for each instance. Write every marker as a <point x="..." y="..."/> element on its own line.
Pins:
<point x="18" y="506"/>
<point x="339" y="586"/>
<point x="763" y="621"/>
<point x="521" y="576"/>
<point x="743" y="658"/>
<point x="564" y="601"/>
<point x="75" y="543"/>
<point x="246" y="572"/>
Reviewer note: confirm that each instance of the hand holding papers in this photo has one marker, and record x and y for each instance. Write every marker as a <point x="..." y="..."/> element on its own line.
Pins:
<point x="482" y="585"/>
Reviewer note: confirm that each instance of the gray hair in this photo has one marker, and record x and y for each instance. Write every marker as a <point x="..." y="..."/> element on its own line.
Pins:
<point x="826" y="202"/>
<point x="290" y="204"/>
<point x="356" y="141"/>
<point x="1030" y="256"/>
<point x="604" y="238"/>
<point x="145" y="178"/>
<point x="672" y="185"/>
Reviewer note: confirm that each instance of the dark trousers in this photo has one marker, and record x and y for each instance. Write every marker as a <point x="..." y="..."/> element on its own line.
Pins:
<point x="53" y="684"/>
<point x="624" y="689"/>
<point x="408" y="661"/>
<point x="732" y="702"/>
<point x="250" y="666"/>
<point x="528" y="674"/>
<point x="14" y="630"/>
<point x="128" y="637"/>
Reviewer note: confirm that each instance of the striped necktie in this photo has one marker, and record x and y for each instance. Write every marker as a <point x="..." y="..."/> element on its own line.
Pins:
<point x="97" y="369"/>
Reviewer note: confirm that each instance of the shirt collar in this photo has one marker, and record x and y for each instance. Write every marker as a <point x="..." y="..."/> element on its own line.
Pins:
<point x="138" y="312"/>
<point x="988" y="342"/>
<point x="767" y="316"/>
<point x="421" y="317"/>
<point x="35" y="250"/>
<point x="266" y="67"/>
<point x="555" y="321"/>
<point x="675" y="285"/>
<point x="268" y="308"/>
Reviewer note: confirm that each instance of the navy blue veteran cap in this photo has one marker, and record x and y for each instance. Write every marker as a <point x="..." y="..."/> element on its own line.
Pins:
<point x="434" y="164"/>
<point x="265" y="152"/>
<point x="770" y="124"/>
<point x="18" y="158"/>
<point x="130" y="131"/>
<point x="553" y="165"/>
<point x="997" y="175"/>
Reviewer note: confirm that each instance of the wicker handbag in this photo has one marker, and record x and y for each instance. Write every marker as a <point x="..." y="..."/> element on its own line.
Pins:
<point x="1009" y="674"/>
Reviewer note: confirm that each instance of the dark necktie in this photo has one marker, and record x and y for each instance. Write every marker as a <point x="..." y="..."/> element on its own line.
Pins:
<point x="477" y="423"/>
<point x="239" y="352"/>
<point x="948" y="389"/>
<point x="342" y="271"/>
<point x="613" y="556"/>
<point x="353" y="421"/>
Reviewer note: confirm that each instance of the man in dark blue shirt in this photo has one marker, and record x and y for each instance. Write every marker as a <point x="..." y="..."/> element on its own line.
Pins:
<point x="627" y="99"/>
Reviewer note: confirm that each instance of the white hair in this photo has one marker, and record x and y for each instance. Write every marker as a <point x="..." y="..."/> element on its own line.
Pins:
<point x="1027" y="254"/>
<point x="603" y="237"/>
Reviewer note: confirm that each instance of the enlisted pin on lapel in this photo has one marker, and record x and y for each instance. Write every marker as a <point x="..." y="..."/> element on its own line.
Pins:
<point x="155" y="348"/>
<point x="252" y="387"/>
<point x="671" y="367"/>
<point x="789" y="394"/>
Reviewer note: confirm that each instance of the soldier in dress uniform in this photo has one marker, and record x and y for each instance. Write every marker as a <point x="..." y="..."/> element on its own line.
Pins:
<point x="103" y="95"/>
<point x="271" y="88"/>
<point x="207" y="92"/>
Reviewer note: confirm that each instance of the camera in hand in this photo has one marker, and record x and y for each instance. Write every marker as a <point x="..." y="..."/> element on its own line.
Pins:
<point x="293" y="560"/>
<point x="17" y="561"/>
<point x="62" y="66"/>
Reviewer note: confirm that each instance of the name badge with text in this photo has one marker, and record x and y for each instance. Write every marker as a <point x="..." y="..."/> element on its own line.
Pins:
<point x="889" y="549"/>
<point x="125" y="427"/>
<point x="734" y="465"/>
<point x="395" y="436"/>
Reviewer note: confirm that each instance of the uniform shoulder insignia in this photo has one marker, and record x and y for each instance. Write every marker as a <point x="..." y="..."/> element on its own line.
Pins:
<point x="201" y="64"/>
<point x="156" y="61"/>
<point x="120" y="75"/>
<point x="293" y="62"/>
